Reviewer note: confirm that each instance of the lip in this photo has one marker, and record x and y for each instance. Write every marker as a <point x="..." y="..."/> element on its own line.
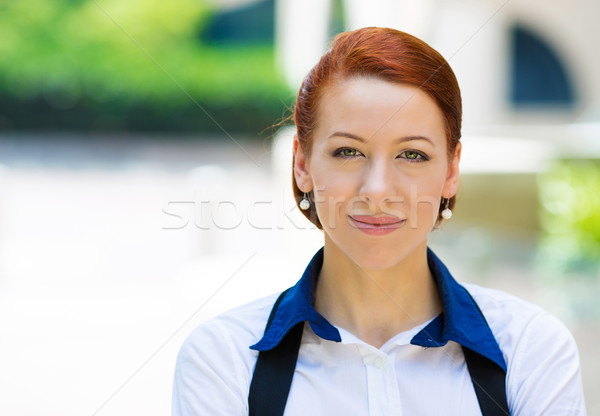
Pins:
<point x="376" y="225"/>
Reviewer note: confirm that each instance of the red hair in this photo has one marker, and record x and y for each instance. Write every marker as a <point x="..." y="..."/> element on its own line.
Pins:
<point x="385" y="54"/>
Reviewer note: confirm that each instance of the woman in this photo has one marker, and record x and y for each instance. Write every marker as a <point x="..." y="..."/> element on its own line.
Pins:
<point x="377" y="325"/>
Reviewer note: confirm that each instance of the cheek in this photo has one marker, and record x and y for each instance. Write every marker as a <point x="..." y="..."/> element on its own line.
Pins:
<point x="423" y="198"/>
<point x="328" y="185"/>
<point x="332" y="193"/>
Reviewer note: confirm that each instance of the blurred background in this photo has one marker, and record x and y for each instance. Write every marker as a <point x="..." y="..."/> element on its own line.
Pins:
<point x="145" y="175"/>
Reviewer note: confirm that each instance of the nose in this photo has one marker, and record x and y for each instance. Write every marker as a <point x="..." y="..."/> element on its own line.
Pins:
<point x="377" y="184"/>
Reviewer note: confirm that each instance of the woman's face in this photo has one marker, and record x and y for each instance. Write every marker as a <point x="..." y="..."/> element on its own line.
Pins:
<point x="378" y="168"/>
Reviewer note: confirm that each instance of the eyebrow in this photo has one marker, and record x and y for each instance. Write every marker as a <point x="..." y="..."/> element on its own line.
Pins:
<point x="398" y="140"/>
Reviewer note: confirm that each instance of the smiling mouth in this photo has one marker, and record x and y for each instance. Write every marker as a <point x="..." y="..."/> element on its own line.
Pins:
<point x="377" y="222"/>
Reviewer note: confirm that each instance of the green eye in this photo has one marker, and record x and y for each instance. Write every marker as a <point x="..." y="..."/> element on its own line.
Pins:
<point x="414" y="156"/>
<point x="346" y="153"/>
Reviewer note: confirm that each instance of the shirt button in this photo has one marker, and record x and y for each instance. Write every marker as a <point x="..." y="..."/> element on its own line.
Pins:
<point x="379" y="362"/>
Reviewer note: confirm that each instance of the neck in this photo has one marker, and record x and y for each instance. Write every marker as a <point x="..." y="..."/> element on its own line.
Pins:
<point x="375" y="305"/>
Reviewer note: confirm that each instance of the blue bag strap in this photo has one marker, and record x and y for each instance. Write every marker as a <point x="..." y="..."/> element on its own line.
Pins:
<point x="274" y="371"/>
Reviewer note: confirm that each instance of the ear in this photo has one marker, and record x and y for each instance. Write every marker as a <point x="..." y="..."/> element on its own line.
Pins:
<point x="453" y="175"/>
<point x="301" y="168"/>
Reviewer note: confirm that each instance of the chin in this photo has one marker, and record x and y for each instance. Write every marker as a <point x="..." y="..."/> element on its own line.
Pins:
<point x="375" y="257"/>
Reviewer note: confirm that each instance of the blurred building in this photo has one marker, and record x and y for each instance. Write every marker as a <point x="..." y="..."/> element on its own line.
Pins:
<point x="516" y="61"/>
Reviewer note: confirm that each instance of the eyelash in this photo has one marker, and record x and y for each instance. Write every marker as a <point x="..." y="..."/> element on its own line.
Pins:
<point x="421" y="157"/>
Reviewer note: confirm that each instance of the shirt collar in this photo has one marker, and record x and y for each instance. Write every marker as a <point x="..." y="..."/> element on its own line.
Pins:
<point x="461" y="320"/>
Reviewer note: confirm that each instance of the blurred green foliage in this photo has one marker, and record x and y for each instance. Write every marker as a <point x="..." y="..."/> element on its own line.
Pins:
<point x="570" y="216"/>
<point x="135" y="65"/>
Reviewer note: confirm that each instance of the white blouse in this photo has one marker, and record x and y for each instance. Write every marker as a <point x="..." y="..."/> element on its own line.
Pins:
<point x="345" y="376"/>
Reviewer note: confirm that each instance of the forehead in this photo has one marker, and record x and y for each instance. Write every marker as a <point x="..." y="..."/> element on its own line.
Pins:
<point x="374" y="107"/>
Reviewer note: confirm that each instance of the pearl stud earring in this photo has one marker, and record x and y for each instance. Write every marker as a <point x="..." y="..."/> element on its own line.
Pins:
<point x="305" y="203"/>
<point x="447" y="212"/>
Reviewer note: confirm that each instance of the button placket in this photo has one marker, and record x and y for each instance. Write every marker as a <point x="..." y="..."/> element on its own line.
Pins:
<point x="382" y="387"/>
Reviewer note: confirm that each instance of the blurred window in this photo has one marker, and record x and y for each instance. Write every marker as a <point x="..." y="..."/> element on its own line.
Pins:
<point x="252" y="23"/>
<point x="539" y="77"/>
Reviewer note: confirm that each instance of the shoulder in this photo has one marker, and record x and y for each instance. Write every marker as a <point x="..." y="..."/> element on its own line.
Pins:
<point x="514" y="320"/>
<point x="503" y="311"/>
<point x="214" y="365"/>
<point x="243" y="325"/>
<point x="540" y="352"/>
